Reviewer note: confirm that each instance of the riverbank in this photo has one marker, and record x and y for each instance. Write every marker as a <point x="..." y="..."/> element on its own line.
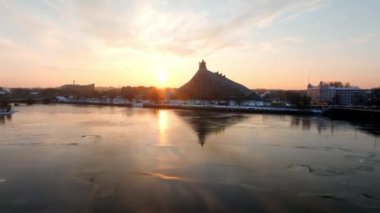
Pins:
<point x="242" y="109"/>
<point x="334" y="112"/>
<point x="216" y="108"/>
<point x="353" y="114"/>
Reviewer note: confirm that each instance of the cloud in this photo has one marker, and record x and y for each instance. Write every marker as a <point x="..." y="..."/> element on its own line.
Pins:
<point x="353" y="41"/>
<point x="186" y="28"/>
<point x="12" y="52"/>
<point x="277" y="46"/>
<point x="364" y="38"/>
<point x="269" y="47"/>
<point x="7" y="45"/>
<point x="294" y="39"/>
<point x="70" y="35"/>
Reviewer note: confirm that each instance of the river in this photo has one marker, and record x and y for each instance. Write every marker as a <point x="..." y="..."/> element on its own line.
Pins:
<point x="63" y="158"/>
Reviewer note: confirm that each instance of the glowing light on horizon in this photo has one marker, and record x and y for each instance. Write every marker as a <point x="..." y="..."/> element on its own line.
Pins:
<point x="162" y="77"/>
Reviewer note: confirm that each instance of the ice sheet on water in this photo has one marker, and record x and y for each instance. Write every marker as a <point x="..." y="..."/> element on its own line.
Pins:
<point x="333" y="197"/>
<point x="370" y="197"/>
<point x="323" y="148"/>
<point x="322" y="170"/>
<point x="90" y="139"/>
<point x="370" y="158"/>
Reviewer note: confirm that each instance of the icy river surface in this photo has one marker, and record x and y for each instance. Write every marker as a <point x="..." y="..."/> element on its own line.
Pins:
<point x="63" y="158"/>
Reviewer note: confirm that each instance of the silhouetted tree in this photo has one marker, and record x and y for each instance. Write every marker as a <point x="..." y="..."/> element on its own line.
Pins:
<point x="297" y="99"/>
<point x="154" y="95"/>
<point x="128" y="93"/>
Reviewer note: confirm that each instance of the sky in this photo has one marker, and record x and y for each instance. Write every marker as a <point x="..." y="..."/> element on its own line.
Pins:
<point x="274" y="44"/>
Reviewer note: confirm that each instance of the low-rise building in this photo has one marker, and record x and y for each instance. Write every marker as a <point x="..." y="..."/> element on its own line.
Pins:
<point x="351" y="96"/>
<point x="375" y="96"/>
<point x="321" y="94"/>
<point x="335" y="94"/>
<point x="3" y="91"/>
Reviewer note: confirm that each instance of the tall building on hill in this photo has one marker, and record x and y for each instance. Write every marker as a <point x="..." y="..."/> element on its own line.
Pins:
<point x="207" y="85"/>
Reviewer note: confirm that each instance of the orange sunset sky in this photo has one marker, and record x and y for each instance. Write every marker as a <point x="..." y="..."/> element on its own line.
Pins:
<point x="258" y="43"/>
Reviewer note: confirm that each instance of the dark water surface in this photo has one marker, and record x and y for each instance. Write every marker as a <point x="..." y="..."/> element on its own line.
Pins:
<point x="62" y="158"/>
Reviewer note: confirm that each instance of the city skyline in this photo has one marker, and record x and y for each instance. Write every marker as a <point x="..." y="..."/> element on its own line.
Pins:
<point x="260" y="44"/>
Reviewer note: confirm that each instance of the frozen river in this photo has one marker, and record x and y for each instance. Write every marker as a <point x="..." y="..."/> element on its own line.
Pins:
<point x="62" y="158"/>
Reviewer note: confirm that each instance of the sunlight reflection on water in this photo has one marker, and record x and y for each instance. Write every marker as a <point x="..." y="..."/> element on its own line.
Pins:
<point x="163" y="127"/>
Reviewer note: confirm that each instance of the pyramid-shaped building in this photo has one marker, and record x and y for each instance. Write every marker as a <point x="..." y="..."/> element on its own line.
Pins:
<point x="207" y="85"/>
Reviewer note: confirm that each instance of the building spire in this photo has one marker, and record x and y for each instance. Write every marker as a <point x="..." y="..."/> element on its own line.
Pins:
<point x="202" y="65"/>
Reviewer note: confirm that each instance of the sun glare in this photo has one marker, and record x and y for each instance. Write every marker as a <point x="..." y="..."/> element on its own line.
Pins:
<point x="162" y="78"/>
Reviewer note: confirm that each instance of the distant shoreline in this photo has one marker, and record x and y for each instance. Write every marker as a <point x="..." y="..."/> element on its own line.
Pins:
<point x="239" y="109"/>
<point x="215" y="108"/>
<point x="339" y="113"/>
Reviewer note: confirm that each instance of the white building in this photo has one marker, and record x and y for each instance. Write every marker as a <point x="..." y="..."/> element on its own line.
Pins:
<point x="3" y="91"/>
<point x="327" y="94"/>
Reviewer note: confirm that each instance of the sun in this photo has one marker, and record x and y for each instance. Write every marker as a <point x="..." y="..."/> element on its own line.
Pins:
<point x="162" y="78"/>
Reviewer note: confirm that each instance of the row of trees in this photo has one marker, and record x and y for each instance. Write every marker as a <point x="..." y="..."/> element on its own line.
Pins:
<point x="295" y="98"/>
<point x="129" y="93"/>
<point x="140" y="92"/>
<point x="336" y="84"/>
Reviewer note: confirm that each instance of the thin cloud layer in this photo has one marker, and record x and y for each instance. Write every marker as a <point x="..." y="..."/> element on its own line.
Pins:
<point x="106" y="36"/>
<point x="176" y="27"/>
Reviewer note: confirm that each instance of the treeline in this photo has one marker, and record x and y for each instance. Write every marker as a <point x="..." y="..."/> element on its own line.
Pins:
<point x="336" y="84"/>
<point x="128" y="92"/>
<point x="295" y="98"/>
